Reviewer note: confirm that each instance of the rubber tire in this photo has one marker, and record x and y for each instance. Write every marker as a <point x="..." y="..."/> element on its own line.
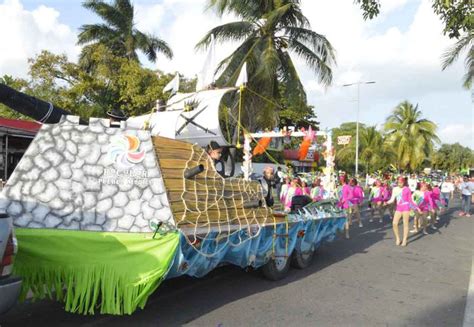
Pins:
<point x="270" y="270"/>
<point x="299" y="261"/>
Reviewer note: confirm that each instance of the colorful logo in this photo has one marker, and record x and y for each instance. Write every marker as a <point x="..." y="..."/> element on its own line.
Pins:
<point x="124" y="151"/>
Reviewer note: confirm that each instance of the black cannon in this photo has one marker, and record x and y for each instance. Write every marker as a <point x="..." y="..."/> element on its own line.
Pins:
<point x="39" y="110"/>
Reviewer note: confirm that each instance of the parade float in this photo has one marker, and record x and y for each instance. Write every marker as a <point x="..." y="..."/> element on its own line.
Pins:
<point x="105" y="213"/>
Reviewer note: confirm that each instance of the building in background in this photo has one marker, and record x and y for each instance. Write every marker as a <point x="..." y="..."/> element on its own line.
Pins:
<point x="15" y="137"/>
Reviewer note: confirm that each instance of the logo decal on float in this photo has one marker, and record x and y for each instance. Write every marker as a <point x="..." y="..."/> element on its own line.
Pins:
<point x="124" y="151"/>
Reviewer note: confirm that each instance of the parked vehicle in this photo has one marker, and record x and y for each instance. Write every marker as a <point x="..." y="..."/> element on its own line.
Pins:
<point x="9" y="285"/>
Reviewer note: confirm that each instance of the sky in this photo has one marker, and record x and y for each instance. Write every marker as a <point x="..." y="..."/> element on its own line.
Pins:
<point x="400" y="50"/>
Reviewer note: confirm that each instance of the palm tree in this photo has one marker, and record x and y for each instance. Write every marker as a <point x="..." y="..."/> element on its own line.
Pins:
<point x="269" y="30"/>
<point x="118" y="33"/>
<point x="452" y="54"/>
<point x="411" y="136"/>
<point x="374" y="152"/>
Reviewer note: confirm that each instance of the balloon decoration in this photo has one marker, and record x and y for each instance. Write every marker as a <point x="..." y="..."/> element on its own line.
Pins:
<point x="304" y="147"/>
<point x="262" y="145"/>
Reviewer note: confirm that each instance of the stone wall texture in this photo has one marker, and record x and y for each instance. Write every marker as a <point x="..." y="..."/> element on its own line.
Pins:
<point x="93" y="177"/>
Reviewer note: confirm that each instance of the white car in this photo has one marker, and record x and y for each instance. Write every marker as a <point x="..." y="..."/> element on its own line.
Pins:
<point x="9" y="285"/>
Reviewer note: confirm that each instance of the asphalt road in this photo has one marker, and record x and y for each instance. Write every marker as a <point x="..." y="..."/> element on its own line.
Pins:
<point x="364" y="281"/>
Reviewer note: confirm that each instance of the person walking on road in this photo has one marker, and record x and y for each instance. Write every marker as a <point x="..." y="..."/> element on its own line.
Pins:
<point x="401" y="195"/>
<point x="345" y="203"/>
<point x="467" y="188"/>
<point x="447" y="191"/>
<point x="357" y="199"/>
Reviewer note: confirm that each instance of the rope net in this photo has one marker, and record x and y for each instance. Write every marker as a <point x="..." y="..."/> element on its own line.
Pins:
<point x="207" y="207"/>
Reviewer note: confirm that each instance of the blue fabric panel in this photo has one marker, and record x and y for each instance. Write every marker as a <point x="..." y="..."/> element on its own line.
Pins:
<point x="252" y="247"/>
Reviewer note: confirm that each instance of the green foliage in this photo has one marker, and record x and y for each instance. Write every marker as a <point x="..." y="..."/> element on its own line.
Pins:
<point x="452" y="54"/>
<point x="268" y="30"/>
<point x="456" y="15"/>
<point x="113" y="82"/>
<point x="411" y="136"/>
<point x="118" y="34"/>
<point x="370" y="8"/>
<point x="453" y="158"/>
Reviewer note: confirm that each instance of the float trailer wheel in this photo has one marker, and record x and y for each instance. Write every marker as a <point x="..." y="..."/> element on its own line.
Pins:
<point x="300" y="259"/>
<point x="276" y="268"/>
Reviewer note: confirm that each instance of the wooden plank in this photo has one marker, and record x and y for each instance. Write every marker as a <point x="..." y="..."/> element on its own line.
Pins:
<point x="221" y="215"/>
<point x="164" y="142"/>
<point x="211" y="203"/>
<point x="178" y="198"/>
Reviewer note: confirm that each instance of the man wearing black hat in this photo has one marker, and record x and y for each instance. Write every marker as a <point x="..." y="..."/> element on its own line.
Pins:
<point x="214" y="150"/>
<point x="116" y="116"/>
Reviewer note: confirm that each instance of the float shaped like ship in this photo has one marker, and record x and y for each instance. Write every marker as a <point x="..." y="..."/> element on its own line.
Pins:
<point x="104" y="214"/>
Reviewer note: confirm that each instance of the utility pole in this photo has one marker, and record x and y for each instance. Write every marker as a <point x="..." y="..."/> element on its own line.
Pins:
<point x="357" y="122"/>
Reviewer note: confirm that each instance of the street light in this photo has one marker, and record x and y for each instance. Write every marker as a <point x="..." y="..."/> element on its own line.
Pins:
<point x="357" y="121"/>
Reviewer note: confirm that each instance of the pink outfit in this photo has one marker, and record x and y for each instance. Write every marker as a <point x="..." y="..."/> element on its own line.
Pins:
<point x="427" y="202"/>
<point x="404" y="200"/>
<point x="357" y="195"/>
<point x="435" y="196"/>
<point x="346" y="197"/>
<point x="386" y="193"/>
<point x="307" y="191"/>
<point x="376" y="194"/>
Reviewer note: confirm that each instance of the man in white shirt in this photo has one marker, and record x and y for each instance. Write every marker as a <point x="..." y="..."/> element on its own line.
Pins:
<point x="447" y="191"/>
<point x="467" y="188"/>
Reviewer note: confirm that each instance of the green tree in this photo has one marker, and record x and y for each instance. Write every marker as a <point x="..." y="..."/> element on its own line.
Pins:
<point x="118" y="33"/>
<point x="267" y="32"/>
<point x="411" y="136"/>
<point x="115" y="83"/>
<point x="453" y="158"/>
<point x="465" y="43"/>
<point x="374" y="153"/>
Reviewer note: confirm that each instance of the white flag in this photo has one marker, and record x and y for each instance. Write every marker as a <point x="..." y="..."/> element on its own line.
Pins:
<point x="242" y="79"/>
<point x="173" y="85"/>
<point x="206" y="75"/>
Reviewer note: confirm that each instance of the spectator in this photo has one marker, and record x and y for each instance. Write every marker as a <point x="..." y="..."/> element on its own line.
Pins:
<point x="467" y="188"/>
<point x="447" y="191"/>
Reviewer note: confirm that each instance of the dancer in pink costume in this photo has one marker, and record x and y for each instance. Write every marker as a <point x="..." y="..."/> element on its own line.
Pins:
<point x="401" y="195"/>
<point x="317" y="192"/>
<point x="294" y="190"/>
<point x="426" y="206"/>
<point x="345" y="202"/>
<point x="357" y="199"/>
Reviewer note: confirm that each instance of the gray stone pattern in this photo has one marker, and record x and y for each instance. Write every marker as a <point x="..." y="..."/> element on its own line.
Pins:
<point x="57" y="184"/>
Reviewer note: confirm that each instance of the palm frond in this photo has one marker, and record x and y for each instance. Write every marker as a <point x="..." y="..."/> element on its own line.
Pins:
<point x="234" y="32"/>
<point x="452" y="53"/>
<point x="95" y="32"/>
<point x="107" y="12"/>
<point x="319" y="66"/>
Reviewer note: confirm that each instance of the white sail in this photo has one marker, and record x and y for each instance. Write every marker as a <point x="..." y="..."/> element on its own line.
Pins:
<point x="173" y="85"/>
<point x="242" y="79"/>
<point x="207" y="74"/>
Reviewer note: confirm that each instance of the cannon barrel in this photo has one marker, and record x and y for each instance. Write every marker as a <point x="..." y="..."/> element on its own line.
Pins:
<point x="39" y="110"/>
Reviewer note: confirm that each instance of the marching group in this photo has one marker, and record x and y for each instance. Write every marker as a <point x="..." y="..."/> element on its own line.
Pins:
<point x="403" y="198"/>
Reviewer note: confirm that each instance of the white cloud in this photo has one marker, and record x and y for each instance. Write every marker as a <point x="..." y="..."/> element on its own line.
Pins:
<point x="405" y="63"/>
<point x="25" y="33"/>
<point x="184" y="25"/>
<point x="462" y="133"/>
